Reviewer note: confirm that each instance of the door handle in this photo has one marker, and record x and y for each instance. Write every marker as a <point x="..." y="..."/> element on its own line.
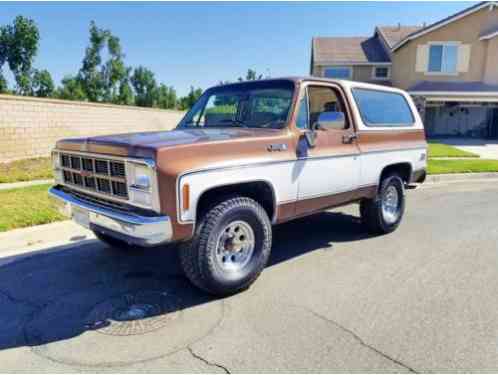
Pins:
<point x="349" y="138"/>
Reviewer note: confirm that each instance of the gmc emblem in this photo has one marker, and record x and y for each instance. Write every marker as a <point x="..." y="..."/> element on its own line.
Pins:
<point x="86" y="173"/>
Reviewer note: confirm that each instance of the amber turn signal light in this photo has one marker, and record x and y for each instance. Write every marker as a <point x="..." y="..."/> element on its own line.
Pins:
<point x="186" y="197"/>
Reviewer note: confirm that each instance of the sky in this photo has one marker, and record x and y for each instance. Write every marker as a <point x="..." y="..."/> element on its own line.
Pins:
<point x="200" y="44"/>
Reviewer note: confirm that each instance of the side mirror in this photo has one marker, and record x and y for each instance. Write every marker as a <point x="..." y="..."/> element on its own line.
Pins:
<point x="330" y="121"/>
<point x="310" y="136"/>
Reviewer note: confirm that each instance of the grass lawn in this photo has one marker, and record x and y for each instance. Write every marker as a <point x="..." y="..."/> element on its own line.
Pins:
<point x="26" y="207"/>
<point x="439" y="150"/>
<point x="438" y="166"/>
<point x="26" y="170"/>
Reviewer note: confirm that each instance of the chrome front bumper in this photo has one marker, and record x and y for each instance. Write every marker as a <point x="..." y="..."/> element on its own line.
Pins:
<point x="134" y="229"/>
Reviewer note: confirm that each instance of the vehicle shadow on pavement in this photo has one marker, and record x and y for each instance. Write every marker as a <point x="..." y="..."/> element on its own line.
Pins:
<point x="61" y="293"/>
<point x="312" y="233"/>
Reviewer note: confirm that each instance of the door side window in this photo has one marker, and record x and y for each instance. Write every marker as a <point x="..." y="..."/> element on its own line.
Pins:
<point x="325" y="99"/>
<point x="302" y="121"/>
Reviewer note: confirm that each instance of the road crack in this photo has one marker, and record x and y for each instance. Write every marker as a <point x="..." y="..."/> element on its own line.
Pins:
<point x="209" y="363"/>
<point x="360" y="340"/>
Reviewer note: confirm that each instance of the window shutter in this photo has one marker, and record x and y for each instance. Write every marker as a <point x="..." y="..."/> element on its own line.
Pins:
<point x="422" y="58"/>
<point x="463" y="58"/>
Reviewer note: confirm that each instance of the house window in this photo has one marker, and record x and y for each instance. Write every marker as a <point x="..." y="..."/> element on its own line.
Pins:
<point x="443" y="58"/>
<point x="341" y="72"/>
<point x="381" y="72"/>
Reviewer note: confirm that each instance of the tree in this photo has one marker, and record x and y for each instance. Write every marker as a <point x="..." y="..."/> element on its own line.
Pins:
<point x="144" y="84"/>
<point x="188" y="101"/>
<point x="105" y="81"/>
<point x="18" y="47"/>
<point x="166" y="97"/>
<point x="3" y="58"/>
<point x="251" y="75"/>
<point x="4" y="88"/>
<point x="71" y="89"/>
<point x="42" y="85"/>
<point x="89" y="74"/>
<point x="125" y="95"/>
<point x="114" y="71"/>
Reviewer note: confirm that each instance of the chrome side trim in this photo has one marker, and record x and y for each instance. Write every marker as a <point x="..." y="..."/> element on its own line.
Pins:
<point x="249" y="165"/>
<point x="130" y="227"/>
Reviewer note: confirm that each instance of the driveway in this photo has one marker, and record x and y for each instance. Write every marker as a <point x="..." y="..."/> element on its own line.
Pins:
<point x="423" y="299"/>
<point x="485" y="148"/>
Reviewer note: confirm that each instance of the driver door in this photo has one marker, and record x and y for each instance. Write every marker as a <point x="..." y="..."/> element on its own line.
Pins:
<point x="329" y="170"/>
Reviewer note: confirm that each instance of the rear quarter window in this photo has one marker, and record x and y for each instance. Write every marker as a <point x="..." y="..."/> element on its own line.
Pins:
<point x="382" y="108"/>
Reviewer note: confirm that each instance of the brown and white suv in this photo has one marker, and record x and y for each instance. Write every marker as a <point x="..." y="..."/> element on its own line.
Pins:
<point x="246" y="156"/>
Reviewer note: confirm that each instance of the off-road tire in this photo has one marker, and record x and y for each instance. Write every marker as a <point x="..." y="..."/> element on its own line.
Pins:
<point x="371" y="209"/>
<point x="197" y="256"/>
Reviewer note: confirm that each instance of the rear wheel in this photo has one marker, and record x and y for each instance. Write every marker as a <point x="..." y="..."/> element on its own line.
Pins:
<point x="230" y="248"/>
<point x="383" y="214"/>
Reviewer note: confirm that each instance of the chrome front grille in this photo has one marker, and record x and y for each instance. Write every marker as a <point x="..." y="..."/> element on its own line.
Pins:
<point x="99" y="175"/>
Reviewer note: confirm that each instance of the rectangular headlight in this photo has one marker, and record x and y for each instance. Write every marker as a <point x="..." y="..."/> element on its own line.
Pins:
<point x="142" y="184"/>
<point x="141" y="177"/>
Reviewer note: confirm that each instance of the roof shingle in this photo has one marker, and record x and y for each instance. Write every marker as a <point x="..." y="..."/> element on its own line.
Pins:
<point x="349" y="49"/>
<point x="394" y="34"/>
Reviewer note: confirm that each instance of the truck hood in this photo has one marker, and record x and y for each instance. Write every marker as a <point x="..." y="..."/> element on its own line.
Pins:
<point x="146" y="144"/>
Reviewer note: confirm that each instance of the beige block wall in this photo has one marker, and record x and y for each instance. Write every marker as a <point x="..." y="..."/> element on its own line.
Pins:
<point x="465" y="30"/>
<point x="29" y="127"/>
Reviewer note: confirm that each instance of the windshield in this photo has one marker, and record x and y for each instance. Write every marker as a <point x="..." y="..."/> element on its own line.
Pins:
<point x="263" y="104"/>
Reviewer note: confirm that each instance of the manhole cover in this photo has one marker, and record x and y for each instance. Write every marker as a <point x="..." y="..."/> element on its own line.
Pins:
<point x="124" y="327"/>
<point x="134" y="314"/>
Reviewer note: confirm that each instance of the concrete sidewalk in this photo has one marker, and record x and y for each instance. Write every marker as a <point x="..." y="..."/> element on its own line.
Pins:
<point x="485" y="148"/>
<point x="24" y="240"/>
<point x="21" y="184"/>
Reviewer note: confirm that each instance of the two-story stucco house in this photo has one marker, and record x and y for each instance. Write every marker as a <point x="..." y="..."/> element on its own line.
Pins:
<point x="449" y="67"/>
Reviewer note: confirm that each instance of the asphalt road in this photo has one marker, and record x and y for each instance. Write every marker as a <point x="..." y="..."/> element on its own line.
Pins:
<point x="423" y="299"/>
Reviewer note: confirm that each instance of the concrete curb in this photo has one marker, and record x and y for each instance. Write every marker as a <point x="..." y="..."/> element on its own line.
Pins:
<point x="434" y="178"/>
<point x="16" y="185"/>
<point x="42" y="236"/>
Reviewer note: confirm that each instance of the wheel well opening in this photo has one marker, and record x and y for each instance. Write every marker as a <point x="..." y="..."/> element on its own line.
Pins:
<point x="260" y="191"/>
<point x="404" y="170"/>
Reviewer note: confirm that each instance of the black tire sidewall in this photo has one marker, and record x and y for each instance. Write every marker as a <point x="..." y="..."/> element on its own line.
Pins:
<point x="219" y="279"/>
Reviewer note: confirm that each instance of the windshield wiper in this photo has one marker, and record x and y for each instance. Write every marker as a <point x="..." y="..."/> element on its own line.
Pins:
<point x="241" y="123"/>
<point x="189" y="124"/>
<point x="270" y="123"/>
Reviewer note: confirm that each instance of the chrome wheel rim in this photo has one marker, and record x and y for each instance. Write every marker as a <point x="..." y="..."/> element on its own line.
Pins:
<point x="390" y="204"/>
<point x="235" y="246"/>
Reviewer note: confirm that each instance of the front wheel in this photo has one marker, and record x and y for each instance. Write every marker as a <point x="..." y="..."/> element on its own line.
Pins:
<point x="383" y="214"/>
<point x="230" y="248"/>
